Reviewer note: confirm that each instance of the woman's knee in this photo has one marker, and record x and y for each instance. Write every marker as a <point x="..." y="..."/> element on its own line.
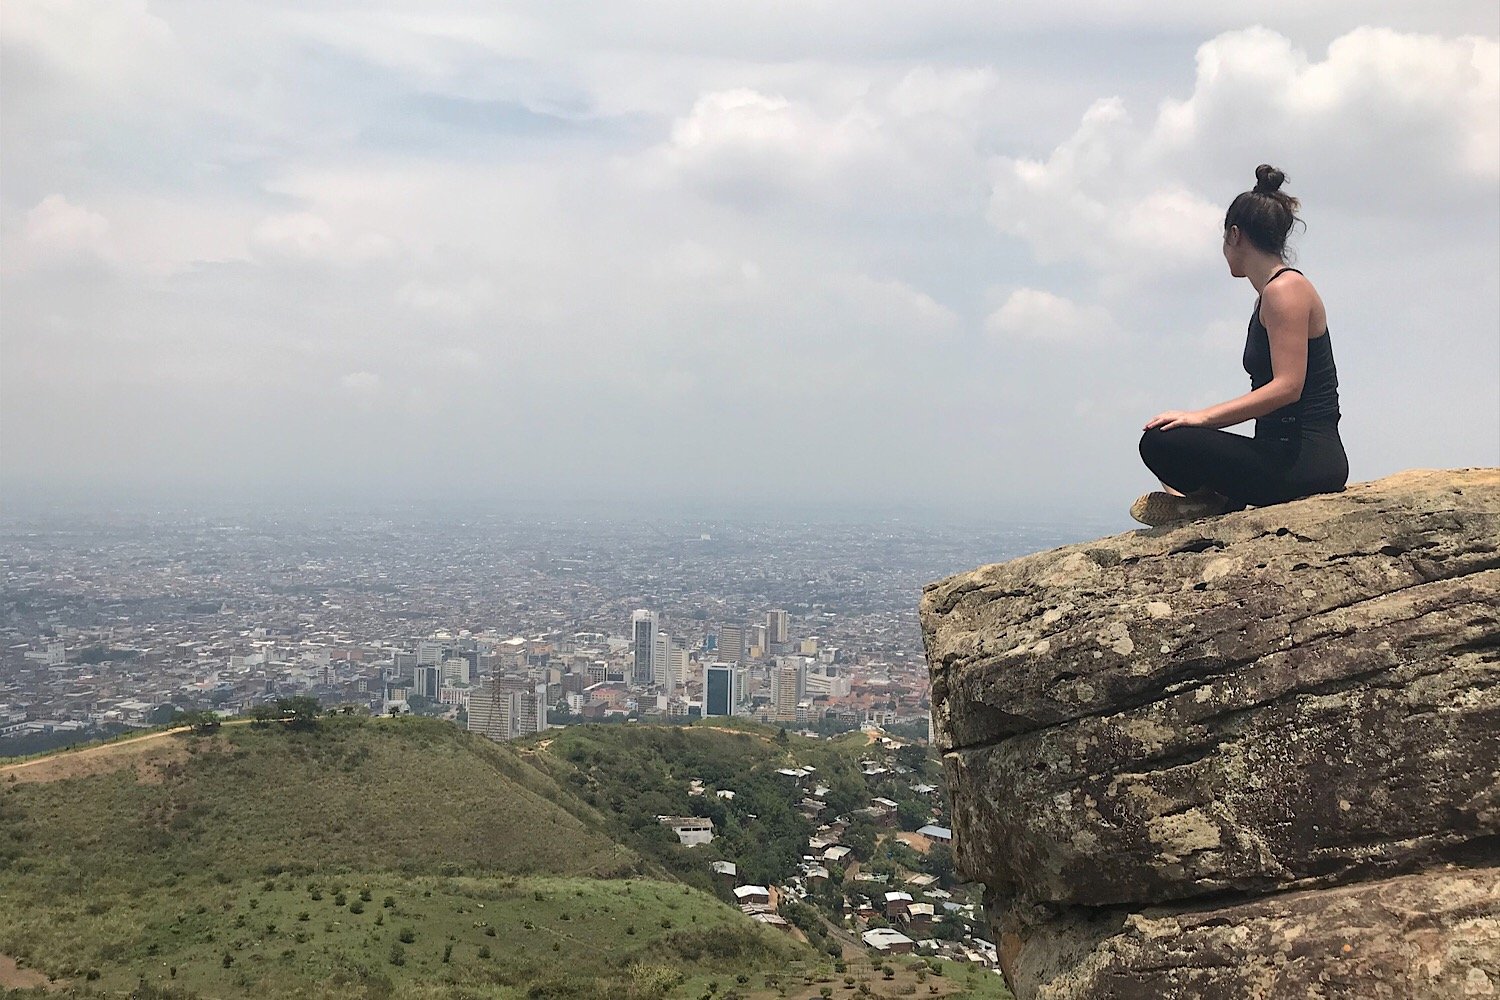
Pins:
<point x="1155" y="443"/>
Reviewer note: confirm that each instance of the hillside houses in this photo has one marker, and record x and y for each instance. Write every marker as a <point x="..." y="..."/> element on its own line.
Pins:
<point x="691" y="831"/>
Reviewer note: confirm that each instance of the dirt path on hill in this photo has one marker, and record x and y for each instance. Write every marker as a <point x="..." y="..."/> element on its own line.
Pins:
<point x="99" y="759"/>
<point x="13" y="977"/>
<point x="916" y="841"/>
<point x="739" y="732"/>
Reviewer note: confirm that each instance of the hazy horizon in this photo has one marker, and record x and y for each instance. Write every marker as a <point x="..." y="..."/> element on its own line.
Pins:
<point x="842" y="257"/>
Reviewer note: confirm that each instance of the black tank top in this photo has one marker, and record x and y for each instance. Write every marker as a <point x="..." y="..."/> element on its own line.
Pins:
<point x="1320" y="387"/>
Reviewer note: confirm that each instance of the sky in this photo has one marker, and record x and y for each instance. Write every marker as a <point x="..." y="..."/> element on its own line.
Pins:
<point x="944" y="255"/>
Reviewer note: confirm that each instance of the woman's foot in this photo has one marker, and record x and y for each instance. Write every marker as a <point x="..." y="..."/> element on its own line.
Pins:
<point x="1157" y="509"/>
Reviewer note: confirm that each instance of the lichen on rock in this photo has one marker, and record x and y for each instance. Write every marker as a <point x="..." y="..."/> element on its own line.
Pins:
<point x="1284" y="709"/>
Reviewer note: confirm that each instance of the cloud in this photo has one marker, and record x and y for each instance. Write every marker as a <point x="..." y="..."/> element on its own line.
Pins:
<point x="452" y="300"/>
<point x="361" y="383"/>
<point x="297" y="235"/>
<point x="1384" y="120"/>
<point x="1394" y="112"/>
<point x="747" y="146"/>
<point x="306" y="237"/>
<point x="1033" y="314"/>
<point x="102" y="44"/>
<point x="894" y="307"/>
<point x="854" y="236"/>
<point x="903" y="145"/>
<point x="57" y="230"/>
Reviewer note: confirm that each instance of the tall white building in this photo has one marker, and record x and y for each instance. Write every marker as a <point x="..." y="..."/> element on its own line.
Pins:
<point x="776" y="627"/>
<point x="505" y="709"/>
<point x="430" y="652"/>
<point x="660" y="652"/>
<point x="455" y="671"/>
<point x="677" y="667"/>
<point x="490" y="712"/>
<point x="643" y="629"/>
<point x="786" y="688"/>
<point x="732" y="643"/>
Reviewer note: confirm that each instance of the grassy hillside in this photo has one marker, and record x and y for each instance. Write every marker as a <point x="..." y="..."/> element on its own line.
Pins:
<point x="413" y="794"/>
<point x="631" y="774"/>
<point x="273" y="862"/>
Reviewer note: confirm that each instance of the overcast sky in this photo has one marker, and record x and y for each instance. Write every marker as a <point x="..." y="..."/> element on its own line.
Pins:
<point x="951" y="254"/>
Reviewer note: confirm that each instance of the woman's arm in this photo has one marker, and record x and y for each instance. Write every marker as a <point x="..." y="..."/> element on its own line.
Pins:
<point x="1286" y="311"/>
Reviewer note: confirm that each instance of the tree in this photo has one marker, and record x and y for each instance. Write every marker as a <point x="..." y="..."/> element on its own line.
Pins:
<point x="912" y="756"/>
<point x="913" y="814"/>
<point x="203" y="722"/>
<point x="860" y="837"/>
<point x="939" y="862"/>
<point x="300" y="712"/>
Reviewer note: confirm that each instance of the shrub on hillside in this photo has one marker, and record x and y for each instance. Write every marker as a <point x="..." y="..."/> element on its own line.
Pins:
<point x="720" y="944"/>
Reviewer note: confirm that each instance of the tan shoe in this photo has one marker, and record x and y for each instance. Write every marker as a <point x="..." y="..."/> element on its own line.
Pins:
<point x="1157" y="509"/>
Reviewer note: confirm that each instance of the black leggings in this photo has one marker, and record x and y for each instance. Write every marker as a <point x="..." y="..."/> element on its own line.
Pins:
<point x="1255" y="471"/>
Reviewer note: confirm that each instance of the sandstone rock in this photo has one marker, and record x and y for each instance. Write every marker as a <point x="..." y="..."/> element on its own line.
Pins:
<point x="1433" y="936"/>
<point x="1297" y="696"/>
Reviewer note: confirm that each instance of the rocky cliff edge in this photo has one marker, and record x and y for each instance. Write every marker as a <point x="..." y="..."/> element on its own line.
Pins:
<point x="1255" y="755"/>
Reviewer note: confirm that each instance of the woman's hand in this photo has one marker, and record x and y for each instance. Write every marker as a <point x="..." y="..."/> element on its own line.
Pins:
<point x="1177" y="418"/>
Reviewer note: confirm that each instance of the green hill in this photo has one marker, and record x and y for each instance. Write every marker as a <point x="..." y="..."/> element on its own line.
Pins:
<point x="362" y="858"/>
<point x="632" y="774"/>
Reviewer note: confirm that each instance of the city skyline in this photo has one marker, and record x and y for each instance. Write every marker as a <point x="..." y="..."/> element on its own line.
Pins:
<point x="842" y="256"/>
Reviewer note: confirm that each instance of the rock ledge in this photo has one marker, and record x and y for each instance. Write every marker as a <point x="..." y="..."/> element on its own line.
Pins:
<point x="1252" y="756"/>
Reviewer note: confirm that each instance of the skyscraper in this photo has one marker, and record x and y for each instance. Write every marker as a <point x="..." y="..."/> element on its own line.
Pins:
<point x="425" y="681"/>
<point x="491" y="711"/>
<point x="732" y="643"/>
<point x="530" y="714"/>
<point x="677" y="667"/>
<point x="505" y="709"/>
<point x="718" y="689"/>
<point x="786" y="688"/>
<point x="660" y="651"/>
<point x="776" y="627"/>
<point x="643" y="625"/>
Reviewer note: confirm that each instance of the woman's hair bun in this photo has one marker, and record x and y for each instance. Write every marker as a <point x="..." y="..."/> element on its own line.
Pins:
<point x="1268" y="179"/>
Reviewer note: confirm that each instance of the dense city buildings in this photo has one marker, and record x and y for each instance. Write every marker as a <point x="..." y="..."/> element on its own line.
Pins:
<point x="109" y="622"/>
<point x="510" y="630"/>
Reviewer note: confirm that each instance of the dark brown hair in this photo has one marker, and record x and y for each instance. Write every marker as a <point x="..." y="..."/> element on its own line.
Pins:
<point x="1265" y="214"/>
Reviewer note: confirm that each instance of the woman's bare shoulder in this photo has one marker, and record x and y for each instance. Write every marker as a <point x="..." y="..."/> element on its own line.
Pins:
<point x="1290" y="289"/>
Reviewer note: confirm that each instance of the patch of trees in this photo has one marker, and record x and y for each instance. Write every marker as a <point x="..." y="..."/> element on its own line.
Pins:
<point x="30" y="743"/>
<point x="202" y="722"/>
<point x="914" y="731"/>
<point x="300" y="712"/>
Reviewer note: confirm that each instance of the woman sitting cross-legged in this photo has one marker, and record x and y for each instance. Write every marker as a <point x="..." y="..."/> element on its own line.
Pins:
<point x="1294" y="388"/>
